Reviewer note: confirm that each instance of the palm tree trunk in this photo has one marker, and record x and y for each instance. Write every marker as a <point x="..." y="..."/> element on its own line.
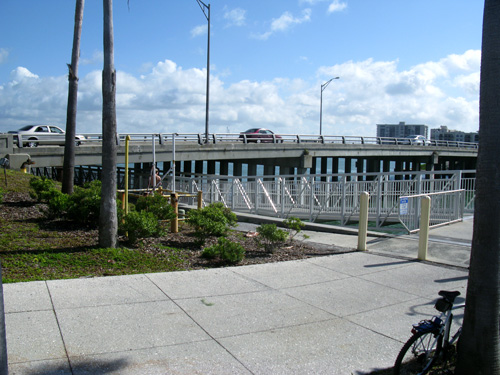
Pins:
<point x="69" y="148"/>
<point x="478" y="349"/>
<point x="108" y="222"/>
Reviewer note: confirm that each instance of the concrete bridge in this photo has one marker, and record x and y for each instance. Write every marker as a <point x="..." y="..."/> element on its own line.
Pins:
<point x="291" y="154"/>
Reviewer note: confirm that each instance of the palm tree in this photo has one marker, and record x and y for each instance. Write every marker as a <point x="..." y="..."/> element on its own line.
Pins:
<point x="478" y="349"/>
<point x="69" y="149"/>
<point x="108" y="221"/>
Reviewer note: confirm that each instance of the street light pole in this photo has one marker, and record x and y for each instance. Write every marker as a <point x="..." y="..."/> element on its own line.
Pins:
<point x="206" y="11"/>
<point x="323" y="87"/>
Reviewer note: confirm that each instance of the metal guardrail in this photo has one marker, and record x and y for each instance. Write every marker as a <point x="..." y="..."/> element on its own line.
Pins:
<point x="165" y="138"/>
<point x="333" y="197"/>
<point x="446" y="207"/>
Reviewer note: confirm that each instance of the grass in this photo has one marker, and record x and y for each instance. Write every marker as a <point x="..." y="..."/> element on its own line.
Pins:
<point x="52" y="264"/>
<point x="32" y="248"/>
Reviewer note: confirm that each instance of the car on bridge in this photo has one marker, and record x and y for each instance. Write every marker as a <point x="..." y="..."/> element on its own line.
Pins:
<point x="260" y="135"/>
<point x="419" y="140"/>
<point x="33" y="135"/>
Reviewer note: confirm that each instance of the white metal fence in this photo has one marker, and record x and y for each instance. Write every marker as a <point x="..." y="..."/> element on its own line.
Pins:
<point x="446" y="207"/>
<point x="332" y="197"/>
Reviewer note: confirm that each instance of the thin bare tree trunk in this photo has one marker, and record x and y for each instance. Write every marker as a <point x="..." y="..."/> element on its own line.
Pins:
<point x="69" y="148"/>
<point x="478" y="348"/>
<point x="108" y="222"/>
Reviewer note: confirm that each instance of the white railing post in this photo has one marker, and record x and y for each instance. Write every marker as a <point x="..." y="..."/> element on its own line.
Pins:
<point x="363" y="220"/>
<point x="423" y="239"/>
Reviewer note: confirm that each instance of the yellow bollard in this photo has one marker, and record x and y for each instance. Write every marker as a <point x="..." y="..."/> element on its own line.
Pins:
<point x="425" y="218"/>
<point x="363" y="220"/>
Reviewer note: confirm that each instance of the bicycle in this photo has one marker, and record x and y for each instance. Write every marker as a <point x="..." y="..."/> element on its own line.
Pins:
<point x="430" y="342"/>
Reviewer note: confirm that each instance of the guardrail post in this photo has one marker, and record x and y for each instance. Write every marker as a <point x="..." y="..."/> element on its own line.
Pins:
<point x="174" y="223"/>
<point x="200" y="200"/>
<point x="423" y="239"/>
<point x="363" y="220"/>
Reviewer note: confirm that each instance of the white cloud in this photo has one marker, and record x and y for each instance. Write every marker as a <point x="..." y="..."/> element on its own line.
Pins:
<point x="285" y="22"/>
<point x="235" y="17"/>
<point x="167" y="98"/>
<point x="199" y="30"/>
<point x="4" y="54"/>
<point x="337" y="6"/>
<point x="96" y="58"/>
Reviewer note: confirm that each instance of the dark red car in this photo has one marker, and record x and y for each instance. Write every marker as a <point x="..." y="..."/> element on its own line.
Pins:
<point x="260" y="135"/>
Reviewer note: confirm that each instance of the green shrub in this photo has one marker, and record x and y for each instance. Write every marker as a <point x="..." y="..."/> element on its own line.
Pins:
<point x="157" y="204"/>
<point x="43" y="188"/>
<point x="226" y="250"/>
<point x="294" y="225"/>
<point x="1" y="195"/>
<point x="270" y="237"/>
<point x="141" y="224"/>
<point x="58" y="204"/>
<point x="85" y="204"/>
<point x="212" y="220"/>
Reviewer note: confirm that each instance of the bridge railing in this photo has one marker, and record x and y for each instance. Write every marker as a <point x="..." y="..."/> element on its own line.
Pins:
<point x="214" y="138"/>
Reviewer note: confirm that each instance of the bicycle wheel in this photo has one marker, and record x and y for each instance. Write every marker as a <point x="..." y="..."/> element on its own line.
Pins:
<point x="418" y="354"/>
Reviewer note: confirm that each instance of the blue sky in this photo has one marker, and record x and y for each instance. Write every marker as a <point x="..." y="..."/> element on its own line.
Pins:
<point x="413" y="61"/>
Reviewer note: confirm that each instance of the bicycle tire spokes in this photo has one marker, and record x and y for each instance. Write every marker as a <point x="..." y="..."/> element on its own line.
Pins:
<point x="418" y="354"/>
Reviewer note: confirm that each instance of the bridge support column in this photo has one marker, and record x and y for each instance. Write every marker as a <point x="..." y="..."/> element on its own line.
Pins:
<point x="314" y="168"/>
<point x="224" y="168"/>
<point x="211" y="167"/>
<point x="198" y="166"/>
<point x="335" y="167"/>
<point x="237" y="169"/>
<point x="399" y="168"/>
<point x="252" y="169"/>
<point x="269" y="170"/>
<point x="188" y="168"/>
<point x="324" y="168"/>
<point x="386" y="165"/>
<point x="372" y="165"/>
<point x="360" y="164"/>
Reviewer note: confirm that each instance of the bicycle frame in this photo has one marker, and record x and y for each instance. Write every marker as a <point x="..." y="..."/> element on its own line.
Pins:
<point x="431" y="337"/>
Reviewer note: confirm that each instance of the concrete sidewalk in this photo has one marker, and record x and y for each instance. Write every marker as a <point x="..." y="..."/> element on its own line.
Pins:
<point x="342" y="314"/>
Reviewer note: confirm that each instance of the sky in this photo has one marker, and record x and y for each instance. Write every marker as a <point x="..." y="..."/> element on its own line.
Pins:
<point x="415" y="61"/>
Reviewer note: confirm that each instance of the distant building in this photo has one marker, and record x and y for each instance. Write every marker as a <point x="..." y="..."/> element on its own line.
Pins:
<point x="445" y="134"/>
<point x="401" y="130"/>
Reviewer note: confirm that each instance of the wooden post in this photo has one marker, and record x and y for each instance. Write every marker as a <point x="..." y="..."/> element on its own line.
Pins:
<point x="200" y="200"/>
<point x="174" y="201"/>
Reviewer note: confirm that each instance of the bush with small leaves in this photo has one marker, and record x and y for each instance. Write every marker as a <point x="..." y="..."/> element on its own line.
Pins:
<point x="270" y="237"/>
<point x="85" y="204"/>
<point x="226" y="250"/>
<point x="43" y="188"/>
<point x="157" y="204"/>
<point x="140" y="224"/>
<point x="212" y="220"/>
<point x="58" y="204"/>
<point x="294" y="225"/>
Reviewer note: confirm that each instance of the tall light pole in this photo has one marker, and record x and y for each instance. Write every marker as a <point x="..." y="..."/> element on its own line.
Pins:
<point x="323" y="87"/>
<point x="206" y="11"/>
